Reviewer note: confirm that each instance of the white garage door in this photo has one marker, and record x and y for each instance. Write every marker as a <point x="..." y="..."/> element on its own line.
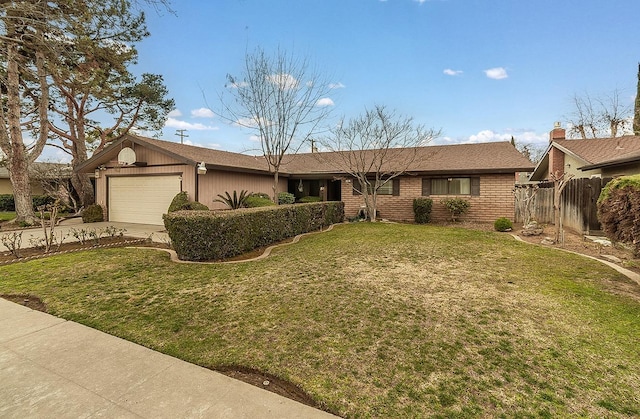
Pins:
<point x="141" y="199"/>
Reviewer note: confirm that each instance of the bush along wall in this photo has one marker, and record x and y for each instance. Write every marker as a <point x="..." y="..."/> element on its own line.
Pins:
<point x="7" y="202"/>
<point x="218" y="235"/>
<point x="619" y="210"/>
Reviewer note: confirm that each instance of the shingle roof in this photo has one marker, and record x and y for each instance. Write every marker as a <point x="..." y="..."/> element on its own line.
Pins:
<point x="600" y="150"/>
<point x="497" y="157"/>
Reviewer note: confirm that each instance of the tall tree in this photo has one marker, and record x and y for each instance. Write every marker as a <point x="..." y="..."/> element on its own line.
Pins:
<point x="375" y="148"/>
<point x="280" y="98"/>
<point x="93" y="79"/>
<point x="636" y="111"/>
<point x="26" y="27"/>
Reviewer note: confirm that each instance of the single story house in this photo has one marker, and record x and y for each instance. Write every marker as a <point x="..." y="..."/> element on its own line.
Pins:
<point x="137" y="177"/>
<point x="585" y="158"/>
<point x="39" y="172"/>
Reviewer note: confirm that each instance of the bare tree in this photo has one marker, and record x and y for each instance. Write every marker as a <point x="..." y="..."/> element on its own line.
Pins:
<point x="375" y="148"/>
<point x="599" y="117"/>
<point x="280" y="98"/>
<point x="55" y="181"/>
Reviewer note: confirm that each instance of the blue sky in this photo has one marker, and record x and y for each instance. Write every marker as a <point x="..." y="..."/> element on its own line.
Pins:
<point x="480" y="70"/>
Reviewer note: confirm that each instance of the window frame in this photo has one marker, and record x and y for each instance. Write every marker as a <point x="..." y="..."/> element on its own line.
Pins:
<point x="395" y="187"/>
<point x="474" y="185"/>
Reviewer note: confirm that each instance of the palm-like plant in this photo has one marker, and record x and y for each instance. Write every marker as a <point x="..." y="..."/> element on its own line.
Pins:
<point x="233" y="202"/>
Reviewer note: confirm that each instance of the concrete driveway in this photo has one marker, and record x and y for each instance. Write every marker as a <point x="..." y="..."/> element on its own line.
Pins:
<point x="142" y="231"/>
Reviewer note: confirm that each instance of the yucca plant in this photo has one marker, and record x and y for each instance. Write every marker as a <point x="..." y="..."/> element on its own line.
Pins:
<point x="233" y="202"/>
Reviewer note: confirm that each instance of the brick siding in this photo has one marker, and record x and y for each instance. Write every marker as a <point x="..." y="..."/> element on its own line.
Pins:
<point x="496" y="200"/>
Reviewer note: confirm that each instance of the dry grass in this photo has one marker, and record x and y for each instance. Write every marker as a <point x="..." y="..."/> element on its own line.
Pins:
<point x="377" y="320"/>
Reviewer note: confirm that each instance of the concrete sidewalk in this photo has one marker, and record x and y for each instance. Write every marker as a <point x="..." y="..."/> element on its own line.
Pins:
<point x="50" y="367"/>
<point x="141" y="231"/>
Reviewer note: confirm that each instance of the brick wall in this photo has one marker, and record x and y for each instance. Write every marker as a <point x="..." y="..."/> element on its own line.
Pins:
<point x="556" y="162"/>
<point x="495" y="200"/>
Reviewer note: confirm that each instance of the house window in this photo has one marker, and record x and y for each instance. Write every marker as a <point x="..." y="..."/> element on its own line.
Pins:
<point x="451" y="186"/>
<point x="392" y="187"/>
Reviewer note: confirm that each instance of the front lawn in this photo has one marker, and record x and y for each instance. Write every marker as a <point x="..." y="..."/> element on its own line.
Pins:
<point x="377" y="320"/>
<point x="7" y="215"/>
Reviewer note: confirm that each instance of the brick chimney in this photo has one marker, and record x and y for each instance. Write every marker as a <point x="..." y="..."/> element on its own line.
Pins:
<point x="558" y="133"/>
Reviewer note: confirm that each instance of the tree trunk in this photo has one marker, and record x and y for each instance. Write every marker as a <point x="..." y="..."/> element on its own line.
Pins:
<point x="84" y="188"/>
<point x="15" y="150"/>
<point x="276" y="175"/>
<point x="19" y="176"/>
<point x="80" y="181"/>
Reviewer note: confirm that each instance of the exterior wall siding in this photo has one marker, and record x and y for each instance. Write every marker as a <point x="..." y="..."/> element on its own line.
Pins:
<point x="218" y="182"/>
<point x="496" y="200"/>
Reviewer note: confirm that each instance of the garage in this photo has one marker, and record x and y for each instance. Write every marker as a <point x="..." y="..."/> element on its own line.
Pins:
<point x="141" y="199"/>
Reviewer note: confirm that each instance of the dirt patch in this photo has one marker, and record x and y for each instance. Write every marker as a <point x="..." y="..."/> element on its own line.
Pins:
<point x="27" y="300"/>
<point x="268" y="382"/>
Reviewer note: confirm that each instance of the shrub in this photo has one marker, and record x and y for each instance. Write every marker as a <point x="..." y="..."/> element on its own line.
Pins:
<point x="211" y="235"/>
<point x="503" y="224"/>
<point x="233" y="202"/>
<point x="257" y="200"/>
<point x="194" y="206"/>
<point x="422" y="210"/>
<point x="456" y="207"/>
<point x="619" y="210"/>
<point x="42" y="201"/>
<point x="285" y="198"/>
<point x="307" y="199"/>
<point x="178" y="201"/>
<point x="7" y="203"/>
<point x="93" y="214"/>
<point x="181" y="202"/>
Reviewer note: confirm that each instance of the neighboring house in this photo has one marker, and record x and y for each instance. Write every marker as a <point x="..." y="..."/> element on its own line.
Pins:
<point x="137" y="177"/>
<point x="39" y="171"/>
<point x="585" y="158"/>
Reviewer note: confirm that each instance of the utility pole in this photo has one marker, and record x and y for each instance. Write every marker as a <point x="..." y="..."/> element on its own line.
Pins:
<point x="180" y="133"/>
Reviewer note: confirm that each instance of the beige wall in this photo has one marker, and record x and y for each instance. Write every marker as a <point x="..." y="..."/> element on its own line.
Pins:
<point x="7" y="189"/>
<point x="495" y="200"/>
<point x="218" y="182"/>
<point x="208" y="186"/>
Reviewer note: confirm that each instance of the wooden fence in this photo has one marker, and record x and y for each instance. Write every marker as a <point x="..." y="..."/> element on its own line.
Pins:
<point x="579" y="211"/>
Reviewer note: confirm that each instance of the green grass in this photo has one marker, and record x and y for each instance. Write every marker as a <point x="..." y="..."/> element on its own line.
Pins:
<point x="378" y="320"/>
<point x="7" y="215"/>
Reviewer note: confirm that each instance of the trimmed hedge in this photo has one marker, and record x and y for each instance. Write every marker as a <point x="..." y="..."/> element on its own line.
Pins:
<point x="619" y="210"/>
<point x="422" y="210"/>
<point x="216" y="235"/>
<point x="181" y="202"/>
<point x="7" y="202"/>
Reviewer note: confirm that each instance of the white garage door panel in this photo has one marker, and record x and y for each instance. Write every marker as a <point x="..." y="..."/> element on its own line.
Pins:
<point x="141" y="199"/>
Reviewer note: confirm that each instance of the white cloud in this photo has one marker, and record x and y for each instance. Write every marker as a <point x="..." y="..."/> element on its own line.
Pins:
<point x="254" y="138"/>
<point x="336" y="86"/>
<point x="450" y="72"/>
<point x="522" y="136"/>
<point x="175" y="113"/>
<point x="176" y="123"/>
<point x="284" y="80"/>
<point x="325" y="101"/>
<point x="497" y="73"/>
<point x="202" y="113"/>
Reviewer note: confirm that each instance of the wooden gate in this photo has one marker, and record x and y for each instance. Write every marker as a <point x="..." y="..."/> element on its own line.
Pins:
<point x="579" y="198"/>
